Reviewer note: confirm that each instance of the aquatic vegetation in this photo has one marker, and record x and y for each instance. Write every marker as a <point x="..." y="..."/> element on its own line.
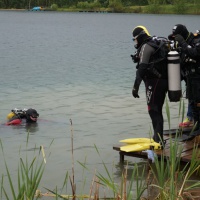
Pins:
<point x="29" y="177"/>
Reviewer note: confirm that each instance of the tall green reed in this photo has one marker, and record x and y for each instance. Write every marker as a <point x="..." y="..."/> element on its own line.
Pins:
<point x="171" y="179"/>
<point x="28" y="177"/>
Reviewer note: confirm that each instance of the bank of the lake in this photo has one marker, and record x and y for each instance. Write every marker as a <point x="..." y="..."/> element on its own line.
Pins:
<point x="189" y="9"/>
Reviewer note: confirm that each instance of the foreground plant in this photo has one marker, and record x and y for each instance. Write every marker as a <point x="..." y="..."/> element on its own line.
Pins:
<point x="171" y="180"/>
<point x="29" y="177"/>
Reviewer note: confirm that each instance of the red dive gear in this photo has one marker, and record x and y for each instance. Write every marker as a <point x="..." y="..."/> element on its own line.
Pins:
<point x="14" y="122"/>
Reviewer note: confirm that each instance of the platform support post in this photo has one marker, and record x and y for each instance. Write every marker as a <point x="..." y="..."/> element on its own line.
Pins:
<point x="121" y="157"/>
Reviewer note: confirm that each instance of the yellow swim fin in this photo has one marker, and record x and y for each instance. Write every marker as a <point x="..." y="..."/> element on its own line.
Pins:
<point x="137" y="140"/>
<point x="140" y="147"/>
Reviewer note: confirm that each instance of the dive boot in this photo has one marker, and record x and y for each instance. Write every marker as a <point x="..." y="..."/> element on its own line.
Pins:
<point x="187" y="123"/>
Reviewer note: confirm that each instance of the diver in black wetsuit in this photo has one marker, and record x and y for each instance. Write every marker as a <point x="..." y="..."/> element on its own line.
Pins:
<point x="155" y="77"/>
<point x="189" y="45"/>
<point x="30" y="115"/>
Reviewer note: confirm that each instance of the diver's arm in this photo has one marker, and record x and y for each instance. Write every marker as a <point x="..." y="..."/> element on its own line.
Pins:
<point x="145" y="55"/>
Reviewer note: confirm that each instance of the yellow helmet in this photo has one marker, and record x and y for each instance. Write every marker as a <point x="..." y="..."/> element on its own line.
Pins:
<point x="138" y="30"/>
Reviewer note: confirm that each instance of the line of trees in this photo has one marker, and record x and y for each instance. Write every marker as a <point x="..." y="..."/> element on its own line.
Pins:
<point x="27" y="4"/>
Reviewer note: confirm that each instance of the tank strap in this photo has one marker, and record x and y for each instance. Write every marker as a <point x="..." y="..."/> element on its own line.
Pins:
<point x="176" y="61"/>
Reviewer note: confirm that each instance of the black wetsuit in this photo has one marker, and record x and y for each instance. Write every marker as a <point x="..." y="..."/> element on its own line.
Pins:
<point x="154" y="76"/>
<point x="190" y="54"/>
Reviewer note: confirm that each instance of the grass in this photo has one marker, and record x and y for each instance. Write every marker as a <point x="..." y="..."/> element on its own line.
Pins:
<point x="170" y="179"/>
<point x="29" y="177"/>
<point x="166" y="178"/>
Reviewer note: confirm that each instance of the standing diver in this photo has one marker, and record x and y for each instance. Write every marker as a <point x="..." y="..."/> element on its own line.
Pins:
<point x="189" y="45"/>
<point x="155" y="76"/>
<point x="16" y="116"/>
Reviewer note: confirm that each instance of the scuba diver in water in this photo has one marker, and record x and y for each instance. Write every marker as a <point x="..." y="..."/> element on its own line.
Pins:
<point x="17" y="115"/>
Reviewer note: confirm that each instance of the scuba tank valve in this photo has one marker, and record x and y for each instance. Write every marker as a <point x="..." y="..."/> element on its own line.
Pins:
<point x="174" y="76"/>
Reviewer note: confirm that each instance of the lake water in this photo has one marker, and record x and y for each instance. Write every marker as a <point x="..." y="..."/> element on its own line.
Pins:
<point x="74" y="66"/>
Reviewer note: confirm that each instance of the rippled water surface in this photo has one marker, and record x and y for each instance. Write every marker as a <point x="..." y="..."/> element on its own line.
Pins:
<point x="74" y="66"/>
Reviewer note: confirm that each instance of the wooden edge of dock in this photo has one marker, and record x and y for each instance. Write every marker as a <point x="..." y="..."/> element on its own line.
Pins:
<point x="185" y="153"/>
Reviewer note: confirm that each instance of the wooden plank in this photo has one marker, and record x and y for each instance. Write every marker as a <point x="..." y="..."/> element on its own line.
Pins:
<point x="186" y="155"/>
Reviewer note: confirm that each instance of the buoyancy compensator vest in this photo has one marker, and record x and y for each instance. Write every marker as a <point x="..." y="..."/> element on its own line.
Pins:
<point x="167" y="62"/>
<point x="158" y="60"/>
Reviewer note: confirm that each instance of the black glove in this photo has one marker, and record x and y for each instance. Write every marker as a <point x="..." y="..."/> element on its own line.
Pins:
<point x="135" y="57"/>
<point x="136" y="85"/>
<point x="181" y="41"/>
<point x="135" y="89"/>
<point x="135" y="93"/>
<point x="171" y="37"/>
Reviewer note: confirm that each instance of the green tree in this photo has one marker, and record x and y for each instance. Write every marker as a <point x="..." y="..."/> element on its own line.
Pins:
<point x="82" y="5"/>
<point x="95" y="5"/>
<point x="139" y="2"/>
<point x="104" y="3"/>
<point x="54" y="7"/>
<point x="180" y="6"/>
<point x="115" y="5"/>
<point x="6" y="3"/>
<point x="70" y="3"/>
<point x="154" y="6"/>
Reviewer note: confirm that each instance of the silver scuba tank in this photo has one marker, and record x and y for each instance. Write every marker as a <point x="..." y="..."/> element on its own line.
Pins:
<point x="174" y="76"/>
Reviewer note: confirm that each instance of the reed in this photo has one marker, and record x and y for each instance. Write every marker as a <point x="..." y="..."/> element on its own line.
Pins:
<point x="29" y="176"/>
<point x="171" y="180"/>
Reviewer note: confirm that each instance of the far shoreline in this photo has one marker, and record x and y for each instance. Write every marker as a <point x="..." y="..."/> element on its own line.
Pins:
<point x="96" y="11"/>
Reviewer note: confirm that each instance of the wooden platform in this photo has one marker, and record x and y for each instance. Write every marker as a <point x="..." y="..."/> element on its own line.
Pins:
<point x="185" y="149"/>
